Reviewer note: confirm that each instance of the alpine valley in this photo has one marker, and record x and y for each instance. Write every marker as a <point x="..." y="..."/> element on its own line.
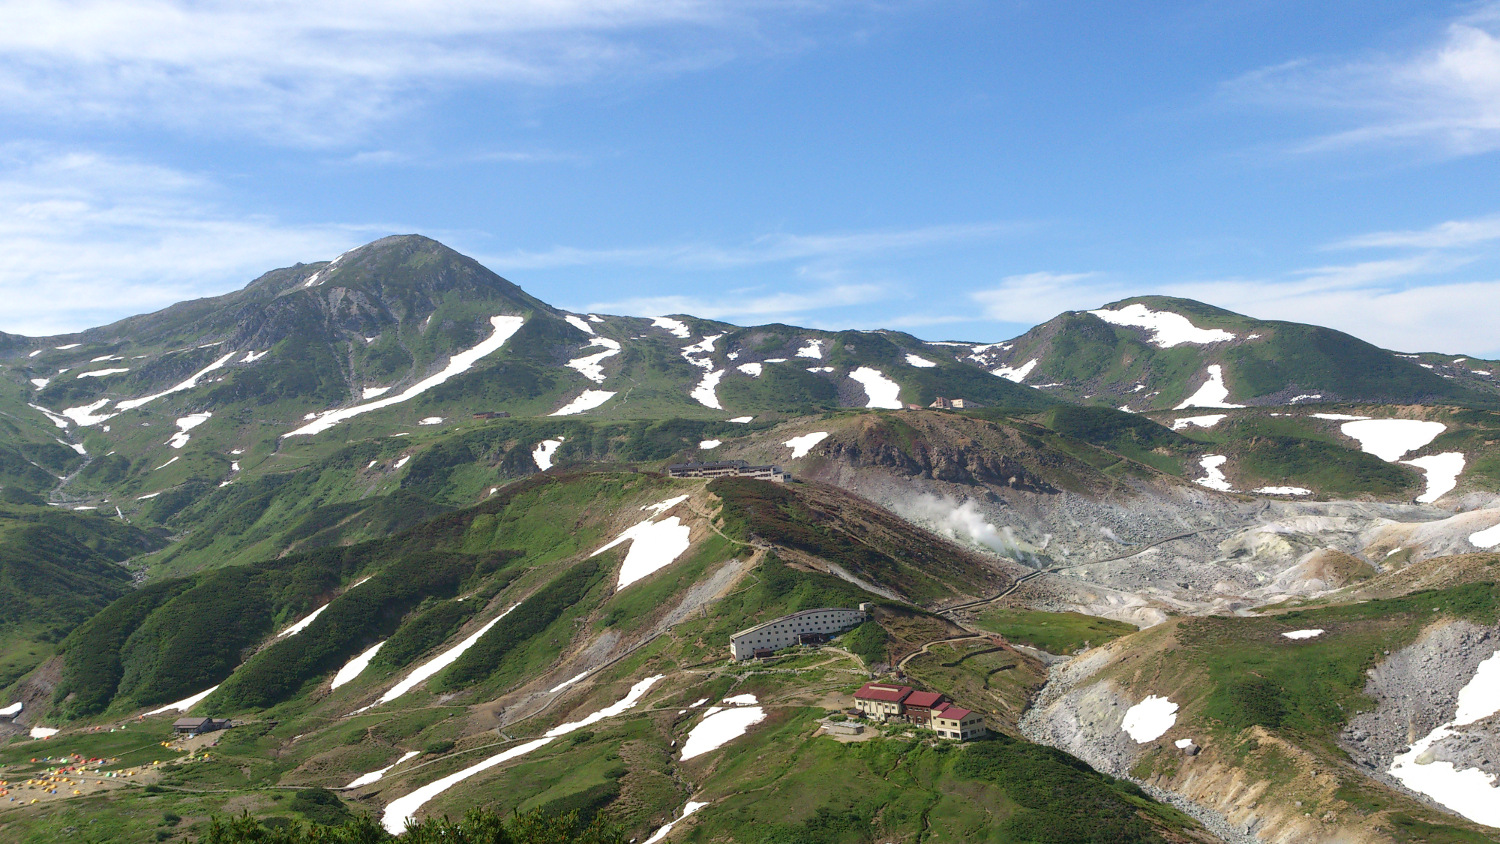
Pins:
<point x="411" y="530"/>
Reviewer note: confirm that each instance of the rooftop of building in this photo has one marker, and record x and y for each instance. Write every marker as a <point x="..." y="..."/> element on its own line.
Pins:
<point x="882" y="692"/>
<point x="927" y="700"/>
<point x="955" y="713"/>
<point x="798" y="614"/>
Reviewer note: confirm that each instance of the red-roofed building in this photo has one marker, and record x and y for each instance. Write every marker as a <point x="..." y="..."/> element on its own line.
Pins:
<point x="920" y="706"/>
<point x="881" y="701"/>
<point x="955" y="722"/>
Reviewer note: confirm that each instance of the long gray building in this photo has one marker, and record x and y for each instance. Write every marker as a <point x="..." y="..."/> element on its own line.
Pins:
<point x="797" y="628"/>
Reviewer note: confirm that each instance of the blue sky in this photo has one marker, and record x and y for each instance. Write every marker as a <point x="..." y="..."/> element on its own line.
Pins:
<point x="952" y="168"/>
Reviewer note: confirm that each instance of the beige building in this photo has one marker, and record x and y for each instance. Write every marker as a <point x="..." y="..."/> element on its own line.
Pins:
<point x="955" y="722"/>
<point x="805" y="627"/>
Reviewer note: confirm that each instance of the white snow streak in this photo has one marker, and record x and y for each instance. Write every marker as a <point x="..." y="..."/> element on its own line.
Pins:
<point x="100" y="373"/>
<point x="505" y="327"/>
<point x="586" y="401"/>
<point x="1284" y="490"/>
<point x="1303" y="634"/>
<point x="708" y="444"/>
<point x="1337" y="417"/>
<point x="437" y="663"/>
<point x="1207" y="421"/>
<point x="566" y="683"/>
<point x="741" y="420"/>
<point x="882" y="391"/>
<point x="57" y="420"/>
<point x="372" y="392"/>
<point x="354" y="667"/>
<point x="579" y="323"/>
<point x="85" y="415"/>
<point x="186" y="703"/>
<point x="253" y="356"/>
<point x="919" y="362"/>
<point x="374" y="776"/>
<point x="405" y="808"/>
<point x="431" y="420"/>
<point x="302" y="625"/>
<point x="11" y="711"/>
<point x="661" y="833"/>
<point x="190" y="383"/>
<point x="1167" y="329"/>
<point x="812" y="349"/>
<point x="166" y="464"/>
<point x="751" y="369"/>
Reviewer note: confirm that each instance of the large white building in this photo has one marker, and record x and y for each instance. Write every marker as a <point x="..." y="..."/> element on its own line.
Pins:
<point x="799" y="627"/>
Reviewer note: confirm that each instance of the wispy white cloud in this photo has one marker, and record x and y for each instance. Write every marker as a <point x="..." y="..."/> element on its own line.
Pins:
<point x="1039" y="296"/>
<point x="1445" y="95"/>
<point x="755" y="304"/>
<point x="767" y="249"/>
<point x="307" y="73"/>
<point x="1452" y="234"/>
<point x="88" y="238"/>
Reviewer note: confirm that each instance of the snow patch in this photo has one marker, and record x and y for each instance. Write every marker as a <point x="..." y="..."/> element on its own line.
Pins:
<point x="812" y="349"/>
<point x="1470" y="792"/>
<point x="40" y="383"/>
<point x="403" y="461"/>
<point x="374" y="776"/>
<point x="67" y="347"/>
<point x="751" y="369"/>
<point x="185" y="424"/>
<point x="253" y="356"/>
<point x="166" y="464"/>
<point x="35" y="353"/>
<point x="591" y="366"/>
<point x="11" y="711"/>
<point x="372" y="392"/>
<point x="586" y="401"/>
<point x="1303" y="634"/>
<point x="405" y="808"/>
<point x="579" y="323"/>
<point x="431" y="420"/>
<point x="919" y="362"/>
<point x="708" y="444"/>
<point x="676" y="327"/>
<point x="1149" y="719"/>
<point x="1212" y="464"/>
<point x="505" y="327"/>
<point x="1337" y="417"/>
<point x="721" y="726"/>
<point x="706" y="392"/>
<point x="1207" y="421"/>
<point x="882" y="391"/>
<point x="354" y="667"/>
<point x="43" y="732"/>
<point x="1213" y="392"/>
<point x="100" y="373"/>
<point x="741" y="420"/>
<point x="653" y="546"/>
<point x="1284" y="490"/>
<point x="820" y="369"/>
<point x="1017" y="374"/>
<point x="147" y="496"/>
<point x="543" y="452"/>
<point x="1442" y="474"/>
<point x="800" y="446"/>
<point x="1389" y="439"/>
<point x="86" y="415"/>
<point x="1487" y="538"/>
<point x="1167" y="329"/>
